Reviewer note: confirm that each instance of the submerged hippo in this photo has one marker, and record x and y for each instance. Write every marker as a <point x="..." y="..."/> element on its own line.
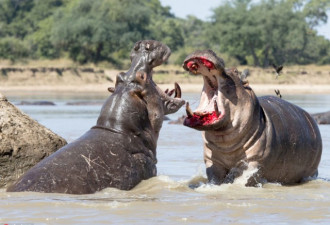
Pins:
<point x="120" y="151"/>
<point x="275" y="138"/>
<point x="322" y="118"/>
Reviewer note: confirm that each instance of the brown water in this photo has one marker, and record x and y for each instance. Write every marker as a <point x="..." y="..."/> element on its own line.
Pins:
<point x="169" y="198"/>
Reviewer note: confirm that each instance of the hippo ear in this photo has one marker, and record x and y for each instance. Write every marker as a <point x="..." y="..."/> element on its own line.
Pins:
<point x="141" y="77"/>
<point x="244" y="74"/>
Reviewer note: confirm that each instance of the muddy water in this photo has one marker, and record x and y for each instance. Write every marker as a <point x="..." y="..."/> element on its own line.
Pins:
<point x="169" y="198"/>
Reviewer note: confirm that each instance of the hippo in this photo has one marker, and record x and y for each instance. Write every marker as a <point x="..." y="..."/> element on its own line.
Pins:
<point x="267" y="137"/>
<point x="322" y="118"/>
<point x="120" y="150"/>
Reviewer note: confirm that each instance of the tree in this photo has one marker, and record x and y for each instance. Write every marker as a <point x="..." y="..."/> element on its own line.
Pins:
<point x="21" y="21"/>
<point x="235" y="29"/>
<point x="264" y="33"/>
<point x="92" y="31"/>
<point x="168" y="31"/>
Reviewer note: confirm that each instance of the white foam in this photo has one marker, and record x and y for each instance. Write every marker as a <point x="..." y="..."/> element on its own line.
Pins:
<point x="247" y="174"/>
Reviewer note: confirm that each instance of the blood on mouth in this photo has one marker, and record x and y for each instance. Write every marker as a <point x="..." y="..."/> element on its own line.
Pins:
<point x="201" y="120"/>
<point x="194" y="119"/>
<point x="192" y="65"/>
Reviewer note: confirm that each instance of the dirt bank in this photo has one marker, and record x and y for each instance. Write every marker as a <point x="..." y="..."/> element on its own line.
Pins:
<point x="293" y="80"/>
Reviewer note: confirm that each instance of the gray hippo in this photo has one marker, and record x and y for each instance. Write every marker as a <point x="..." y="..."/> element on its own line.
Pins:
<point x="120" y="151"/>
<point x="277" y="140"/>
<point x="322" y="118"/>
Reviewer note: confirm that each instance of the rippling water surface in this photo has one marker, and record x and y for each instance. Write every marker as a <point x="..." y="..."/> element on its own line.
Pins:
<point x="167" y="198"/>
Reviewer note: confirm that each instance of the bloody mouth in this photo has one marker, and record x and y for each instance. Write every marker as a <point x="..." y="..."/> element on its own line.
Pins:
<point x="196" y="120"/>
<point x="209" y="114"/>
<point x="193" y="66"/>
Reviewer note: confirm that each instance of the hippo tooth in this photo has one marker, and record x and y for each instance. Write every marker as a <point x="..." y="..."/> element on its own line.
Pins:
<point x="188" y="110"/>
<point x="171" y="92"/>
<point x="177" y="90"/>
<point x="216" y="109"/>
<point x="111" y="89"/>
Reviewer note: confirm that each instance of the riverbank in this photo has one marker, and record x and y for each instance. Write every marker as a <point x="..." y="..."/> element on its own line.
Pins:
<point x="259" y="89"/>
<point x="39" y="79"/>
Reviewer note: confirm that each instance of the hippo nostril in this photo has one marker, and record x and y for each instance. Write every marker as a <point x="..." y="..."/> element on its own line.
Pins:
<point x="147" y="46"/>
<point x="192" y="66"/>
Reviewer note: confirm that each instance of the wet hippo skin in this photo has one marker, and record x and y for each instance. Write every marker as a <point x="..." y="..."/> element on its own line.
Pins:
<point x="120" y="150"/>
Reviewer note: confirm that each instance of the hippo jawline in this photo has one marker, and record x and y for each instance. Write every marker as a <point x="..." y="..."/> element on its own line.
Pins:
<point x="210" y="111"/>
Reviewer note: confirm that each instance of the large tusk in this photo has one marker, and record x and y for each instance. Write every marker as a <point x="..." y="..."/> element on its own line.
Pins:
<point x="177" y="90"/>
<point x="188" y="110"/>
<point x="171" y="92"/>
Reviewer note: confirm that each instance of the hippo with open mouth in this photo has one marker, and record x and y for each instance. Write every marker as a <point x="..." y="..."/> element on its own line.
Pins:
<point x="120" y="151"/>
<point x="276" y="139"/>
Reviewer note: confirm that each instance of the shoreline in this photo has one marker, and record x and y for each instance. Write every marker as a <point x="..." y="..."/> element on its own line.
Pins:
<point x="259" y="89"/>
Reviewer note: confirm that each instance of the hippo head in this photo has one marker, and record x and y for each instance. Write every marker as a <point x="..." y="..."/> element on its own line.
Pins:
<point x="137" y="104"/>
<point x="225" y="99"/>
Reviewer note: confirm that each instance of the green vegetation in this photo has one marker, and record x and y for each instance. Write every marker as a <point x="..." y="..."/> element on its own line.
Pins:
<point x="270" y="31"/>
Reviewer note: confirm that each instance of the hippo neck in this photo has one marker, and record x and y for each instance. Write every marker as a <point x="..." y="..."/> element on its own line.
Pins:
<point x="139" y="64"/>
<point x="242" y="135"/>
<point x="113" y="119"/>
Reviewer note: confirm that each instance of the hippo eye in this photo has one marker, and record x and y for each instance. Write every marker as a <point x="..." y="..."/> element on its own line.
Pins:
<point x="120" y="78"/>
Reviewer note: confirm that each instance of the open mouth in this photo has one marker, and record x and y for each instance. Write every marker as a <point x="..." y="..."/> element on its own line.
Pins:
<point x="197" y="119"/>
<point x="210" y="110"/>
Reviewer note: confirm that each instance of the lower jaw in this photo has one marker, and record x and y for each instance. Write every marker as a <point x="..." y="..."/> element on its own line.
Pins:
<point x="197" y="121"/>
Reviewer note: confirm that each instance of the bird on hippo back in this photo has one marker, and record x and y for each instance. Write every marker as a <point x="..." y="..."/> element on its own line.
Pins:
<point x="277" y="140"/>
<point x="120" y="151"/>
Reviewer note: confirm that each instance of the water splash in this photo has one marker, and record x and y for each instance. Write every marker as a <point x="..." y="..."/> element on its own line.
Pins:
<point x="247" y="174"/>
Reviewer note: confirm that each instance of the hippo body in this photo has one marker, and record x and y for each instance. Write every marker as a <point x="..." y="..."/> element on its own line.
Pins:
<point x="99" y="159"/>
<point x="277" y="140"/>
<point x="293" y="145"/>
<point x="120" y="151"/>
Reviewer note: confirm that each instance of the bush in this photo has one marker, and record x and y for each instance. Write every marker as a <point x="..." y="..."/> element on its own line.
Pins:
<point x="13" y="49"/>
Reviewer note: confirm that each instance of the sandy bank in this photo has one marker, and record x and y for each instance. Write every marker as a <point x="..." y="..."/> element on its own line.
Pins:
<point x="259" y="89"/>
<point x="293" y="80"/>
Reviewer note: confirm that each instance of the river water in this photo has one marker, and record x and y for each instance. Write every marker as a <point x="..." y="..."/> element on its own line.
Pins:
<point x="168" y="198"/>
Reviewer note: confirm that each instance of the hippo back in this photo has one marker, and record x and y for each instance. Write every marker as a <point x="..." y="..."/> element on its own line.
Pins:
<point x="97" y="160"/>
